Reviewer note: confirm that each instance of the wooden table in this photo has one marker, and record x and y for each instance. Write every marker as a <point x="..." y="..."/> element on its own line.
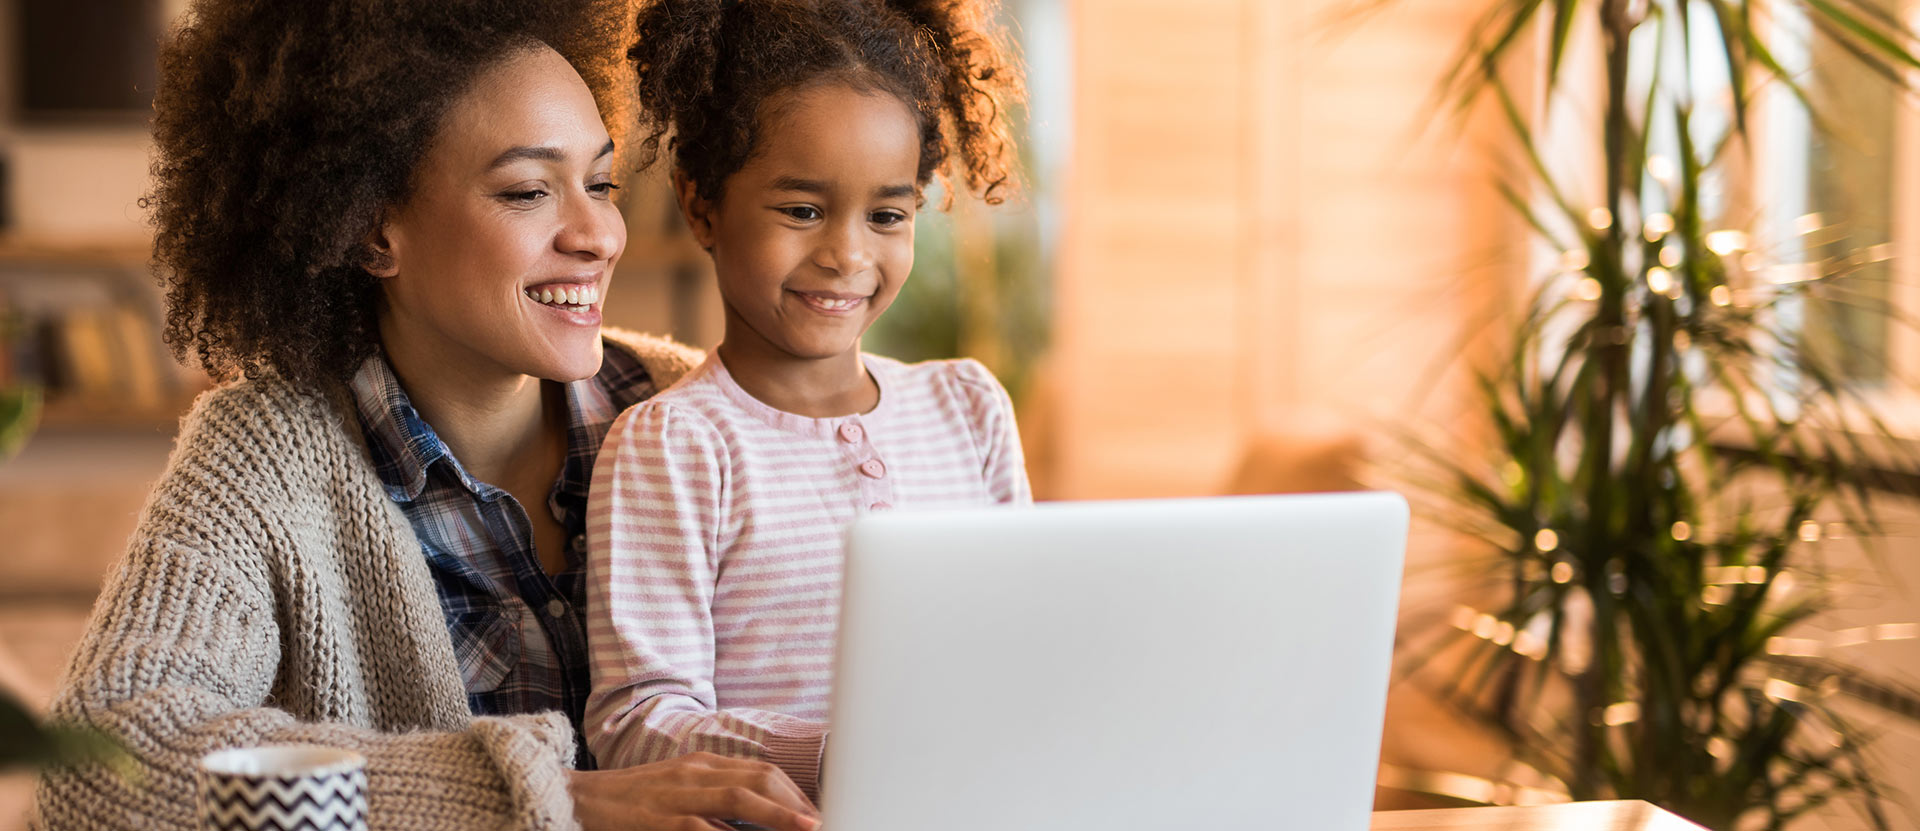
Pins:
<point x="1576" y="816"/>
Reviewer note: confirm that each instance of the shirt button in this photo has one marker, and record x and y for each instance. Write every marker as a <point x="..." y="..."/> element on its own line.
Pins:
<point x="880" y="506"/>
<point x="851" y="433"/>
<point x="555" y="608"/>
<point x="873" y="468"/>
<point x="579" y="542"/>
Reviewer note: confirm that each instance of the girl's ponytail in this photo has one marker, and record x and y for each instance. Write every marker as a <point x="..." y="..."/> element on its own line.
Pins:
<point x="980" y="81"/>
<point x="675" y="57"/>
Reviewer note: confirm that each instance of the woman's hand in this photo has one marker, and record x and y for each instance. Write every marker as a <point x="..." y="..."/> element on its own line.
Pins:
<point x="688" y="794"/>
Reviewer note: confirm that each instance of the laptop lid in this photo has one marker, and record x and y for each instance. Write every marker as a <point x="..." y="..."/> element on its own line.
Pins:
<point x="1205" y="663"/>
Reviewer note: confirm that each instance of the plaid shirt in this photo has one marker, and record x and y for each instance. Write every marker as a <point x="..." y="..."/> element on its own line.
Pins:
<point x="520" y="634"/>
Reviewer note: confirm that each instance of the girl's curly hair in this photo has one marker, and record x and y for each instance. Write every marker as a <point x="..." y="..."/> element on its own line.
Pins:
<point x="283" y="131"/>
<point x="707" y="68"/>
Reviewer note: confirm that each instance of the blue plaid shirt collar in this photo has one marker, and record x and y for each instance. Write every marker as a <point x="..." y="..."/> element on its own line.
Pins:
<point x="406" y="447"/>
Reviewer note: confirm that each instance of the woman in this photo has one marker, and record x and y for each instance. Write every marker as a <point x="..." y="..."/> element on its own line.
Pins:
<point x="389" y="225"/>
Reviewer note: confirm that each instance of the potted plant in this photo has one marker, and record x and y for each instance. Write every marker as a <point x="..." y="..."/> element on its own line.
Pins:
<point x="25" y="743"/>
<point x="19" y="414"/>
<point x="1669" y="448"/>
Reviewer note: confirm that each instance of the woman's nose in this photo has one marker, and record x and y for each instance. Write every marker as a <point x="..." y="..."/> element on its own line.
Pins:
<point x="591" y="228"/>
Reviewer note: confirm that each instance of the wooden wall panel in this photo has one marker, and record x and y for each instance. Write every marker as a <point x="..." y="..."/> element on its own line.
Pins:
<point x="1260" y="234"/>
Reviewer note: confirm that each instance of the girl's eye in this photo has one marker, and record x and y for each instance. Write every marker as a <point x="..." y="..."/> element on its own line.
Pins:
<point x="804" y="213"/>
<point x="887" y="219"/>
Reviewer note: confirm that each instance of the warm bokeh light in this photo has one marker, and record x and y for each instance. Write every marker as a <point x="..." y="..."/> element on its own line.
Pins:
<point x="1657" y="227"/>
<point x="1660" y="280"/>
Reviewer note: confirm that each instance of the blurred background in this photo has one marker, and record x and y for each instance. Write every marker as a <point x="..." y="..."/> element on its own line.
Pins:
<point x="1260" y="250"/>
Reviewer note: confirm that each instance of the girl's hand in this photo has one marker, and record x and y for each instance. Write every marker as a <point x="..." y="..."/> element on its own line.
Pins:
<point x="690" y="793"/>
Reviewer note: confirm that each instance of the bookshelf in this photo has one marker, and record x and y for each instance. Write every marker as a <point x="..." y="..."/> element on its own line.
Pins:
<point x="83" y="323"/>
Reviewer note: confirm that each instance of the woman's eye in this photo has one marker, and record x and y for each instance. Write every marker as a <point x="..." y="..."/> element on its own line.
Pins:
<point x="603" y="188"/>
<point x="887" y="219"/>
<point x="529" y="196"/>
<point x="804" y="213"/>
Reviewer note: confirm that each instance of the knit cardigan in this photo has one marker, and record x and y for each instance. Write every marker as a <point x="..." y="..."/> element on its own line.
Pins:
<point x="273" y="593"/>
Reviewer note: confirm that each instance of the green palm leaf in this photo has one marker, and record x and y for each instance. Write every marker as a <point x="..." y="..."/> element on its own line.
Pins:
<point x="1653" y="678"/>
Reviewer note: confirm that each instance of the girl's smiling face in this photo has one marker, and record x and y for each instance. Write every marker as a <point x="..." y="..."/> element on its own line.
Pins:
<point x="813" y="237"/>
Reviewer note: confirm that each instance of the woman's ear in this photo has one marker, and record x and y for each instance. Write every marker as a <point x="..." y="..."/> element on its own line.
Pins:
<point x="697" y="210"/>
<point x="378" y="253"/>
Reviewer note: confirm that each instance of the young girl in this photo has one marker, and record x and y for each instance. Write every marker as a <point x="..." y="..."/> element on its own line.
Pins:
<point x="804" y="133"/>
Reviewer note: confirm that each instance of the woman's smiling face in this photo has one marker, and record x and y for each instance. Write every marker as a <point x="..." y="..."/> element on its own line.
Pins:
<point x="499" y="260"/>
<point x="813" y="237"/>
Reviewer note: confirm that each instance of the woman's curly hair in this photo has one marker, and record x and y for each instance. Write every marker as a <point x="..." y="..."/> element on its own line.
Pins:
<point x="284" y="130"/>
<point x="706" y="70"/>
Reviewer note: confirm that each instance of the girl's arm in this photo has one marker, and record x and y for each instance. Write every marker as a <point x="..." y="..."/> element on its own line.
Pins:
<point x="657" y="510"/>
<point x="994" y="427"/>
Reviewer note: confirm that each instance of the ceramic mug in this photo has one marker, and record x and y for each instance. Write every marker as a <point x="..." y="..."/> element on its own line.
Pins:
<point x="283" y="788"/>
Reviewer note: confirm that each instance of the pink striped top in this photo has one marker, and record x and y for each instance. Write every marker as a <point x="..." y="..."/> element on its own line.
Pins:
<point x="715" y="526"/>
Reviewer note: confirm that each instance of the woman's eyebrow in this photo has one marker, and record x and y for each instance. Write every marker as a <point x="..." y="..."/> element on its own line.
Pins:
<point x="541" y="154"/>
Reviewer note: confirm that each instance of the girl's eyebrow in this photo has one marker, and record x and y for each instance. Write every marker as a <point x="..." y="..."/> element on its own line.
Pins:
<point x="796" y="183"/>
<point x="543" y="154"/>
<point x="815" y="186"/>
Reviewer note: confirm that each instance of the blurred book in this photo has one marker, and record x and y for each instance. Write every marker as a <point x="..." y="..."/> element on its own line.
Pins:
<point x="88" y="334"/>
<point x="107" y="355"/>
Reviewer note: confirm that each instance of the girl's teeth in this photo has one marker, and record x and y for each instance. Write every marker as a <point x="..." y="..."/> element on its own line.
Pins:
<point x="833" y="304"/>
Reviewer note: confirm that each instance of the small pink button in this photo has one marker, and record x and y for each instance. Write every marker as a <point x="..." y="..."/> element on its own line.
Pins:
<point x="873" y="469"/>
<point x="880" y="506"/>
<point x="851" y="433"/>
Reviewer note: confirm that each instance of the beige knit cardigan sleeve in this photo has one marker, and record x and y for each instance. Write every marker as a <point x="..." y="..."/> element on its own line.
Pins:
<point x="273" y="593"/>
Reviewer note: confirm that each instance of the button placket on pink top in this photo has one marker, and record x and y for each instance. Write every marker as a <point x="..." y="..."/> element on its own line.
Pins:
<point x="876" y="486"/>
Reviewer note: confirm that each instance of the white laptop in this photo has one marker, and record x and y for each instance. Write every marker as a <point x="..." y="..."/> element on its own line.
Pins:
<point x="1120" y="666"/>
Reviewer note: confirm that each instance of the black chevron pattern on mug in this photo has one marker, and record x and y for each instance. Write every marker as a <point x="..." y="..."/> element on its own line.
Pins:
<point x="334" y="802"/>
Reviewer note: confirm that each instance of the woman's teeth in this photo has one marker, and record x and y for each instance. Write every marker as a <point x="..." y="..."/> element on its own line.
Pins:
<point x="576" y="298"/>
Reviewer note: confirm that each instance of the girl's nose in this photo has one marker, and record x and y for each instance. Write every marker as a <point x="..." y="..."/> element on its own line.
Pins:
<point x="845" y="251"/>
